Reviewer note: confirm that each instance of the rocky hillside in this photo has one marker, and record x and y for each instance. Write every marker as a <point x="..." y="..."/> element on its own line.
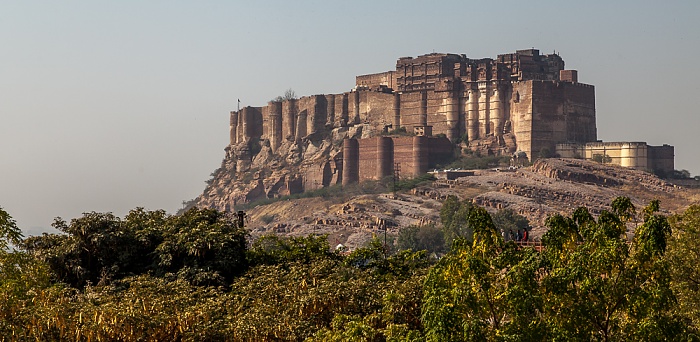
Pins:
<point x="251" y="171"/>
<point x="548" y="186"/>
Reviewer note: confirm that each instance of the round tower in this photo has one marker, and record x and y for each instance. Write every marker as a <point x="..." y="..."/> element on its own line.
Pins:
<point x="232" y="127"/>
<point x="420" y="155"/>
<point x="452" y="117"/>
<point x="351" y="161"/>
<point x="484" y="112"/>
<point x="245" y="124"/>
<point x="473" y="115"/>
<point x="301" y="125"/>
<point x="496" y="113"/>
<point x="275" y="124"/>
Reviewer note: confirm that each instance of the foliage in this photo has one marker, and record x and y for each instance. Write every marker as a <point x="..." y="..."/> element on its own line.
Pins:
<point x="417" y="238"/>
<point x="201" y="245"/>
<point x="589" y="283"/>
<point x="483" y="289"/>
<point x="333" y="192"/>
<point x="196" y="279"/>
<point x="454" y="217"/>
<point x="545" y="152"/>
<point x="680" y="174"/>
<point x="507" y="221"/>
<point x="289" y="94"/>
<point x="97" y="247"/>
<point x="274" y="250"/>
<point x="599" y="286"/>
<point x="9" y="233"/>
<point x="600" y="158"/>
<point x="410" y="183"/>
<point x="684" y="258"/>
<point x="478" y="162"/>
<point x="401" y="131"/>
<point x="266" y="219"/>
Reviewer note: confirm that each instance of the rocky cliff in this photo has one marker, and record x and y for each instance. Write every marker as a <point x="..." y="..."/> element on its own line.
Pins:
<point x="251" y="171"/>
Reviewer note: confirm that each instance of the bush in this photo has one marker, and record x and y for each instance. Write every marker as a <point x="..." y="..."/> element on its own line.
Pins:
<point x="266" y="219"/>
<point x="476" y="162"/>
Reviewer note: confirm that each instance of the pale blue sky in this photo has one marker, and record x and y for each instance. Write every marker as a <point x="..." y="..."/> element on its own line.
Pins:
<point x="111" y="105"/>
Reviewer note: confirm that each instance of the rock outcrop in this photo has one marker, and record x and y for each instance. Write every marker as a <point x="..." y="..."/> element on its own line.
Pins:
<point x="250" y="170"/>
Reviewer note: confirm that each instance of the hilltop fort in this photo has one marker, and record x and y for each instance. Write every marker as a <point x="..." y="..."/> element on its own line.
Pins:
<point x="402" y="122"/>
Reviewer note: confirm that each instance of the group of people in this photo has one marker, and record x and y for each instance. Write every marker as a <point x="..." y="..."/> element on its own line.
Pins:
<point x="519" y="236"/>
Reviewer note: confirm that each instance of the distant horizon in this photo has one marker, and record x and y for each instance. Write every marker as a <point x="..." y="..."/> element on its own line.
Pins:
<point x="112" y="106"/>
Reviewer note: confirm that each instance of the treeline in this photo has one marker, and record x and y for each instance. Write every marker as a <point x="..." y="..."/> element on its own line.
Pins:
<point x="155" y="277"/>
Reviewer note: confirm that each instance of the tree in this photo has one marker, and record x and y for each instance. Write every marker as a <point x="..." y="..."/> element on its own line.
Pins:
<point x="93" y="248"/>
<point x="597" y="286"/>
<point x="417" y="238"/>
<point x="21" y="277"/>
<point x="453" y="216"/>
<point x="483" y="289"/>
<point x="202" y="246"/>
<point x="680" y="174"/>
<point x="274" y="250"/>
<point x="9" y="233"/>
<point x="289" y="94"/>
<point x="507" y="221"/>
<point x="684" y="257"/>
<point x="601" y="158"/>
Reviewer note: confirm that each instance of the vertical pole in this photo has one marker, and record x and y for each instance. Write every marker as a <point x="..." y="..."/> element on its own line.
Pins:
<point x="386" y="248"/>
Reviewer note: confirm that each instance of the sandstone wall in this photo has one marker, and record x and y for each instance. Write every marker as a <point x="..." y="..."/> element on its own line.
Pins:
<point x="368" y="158"/>
<point x="403" y="155"/>
<point x="661" y="158"/>
<point x="376" y="81"/>
<point x="521" y="109"/>
<point x="376" y="109"/>
<point x="561" y="112"/>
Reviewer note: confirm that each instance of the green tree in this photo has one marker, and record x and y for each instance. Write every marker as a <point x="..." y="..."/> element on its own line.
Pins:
<point x="483" y="289"/>
<point x="21" y="277"/>
<point x="427" y="237"/>
<point x="453" y="216"/>
<point x="507" y="221"/>
<point x="597" y="286"/>
<point x="273" y="250"/>
<point x="93" y="247"/>
<point x="9" y="233"/>
<point x="684" y="257"/>
<point x="202" y="246"/>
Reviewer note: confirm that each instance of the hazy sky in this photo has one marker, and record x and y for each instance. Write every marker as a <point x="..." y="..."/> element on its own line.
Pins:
<point x="112" y="105"/>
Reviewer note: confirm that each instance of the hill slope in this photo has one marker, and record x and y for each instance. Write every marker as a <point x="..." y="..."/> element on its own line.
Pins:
<point x="549" y="186"/>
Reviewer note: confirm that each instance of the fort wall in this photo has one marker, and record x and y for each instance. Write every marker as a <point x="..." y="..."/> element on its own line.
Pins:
<point x="377" y="81"/>
<point x="635" y="155"/>
<point x="520" y="101"/>
<point x="661" y="158"/>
